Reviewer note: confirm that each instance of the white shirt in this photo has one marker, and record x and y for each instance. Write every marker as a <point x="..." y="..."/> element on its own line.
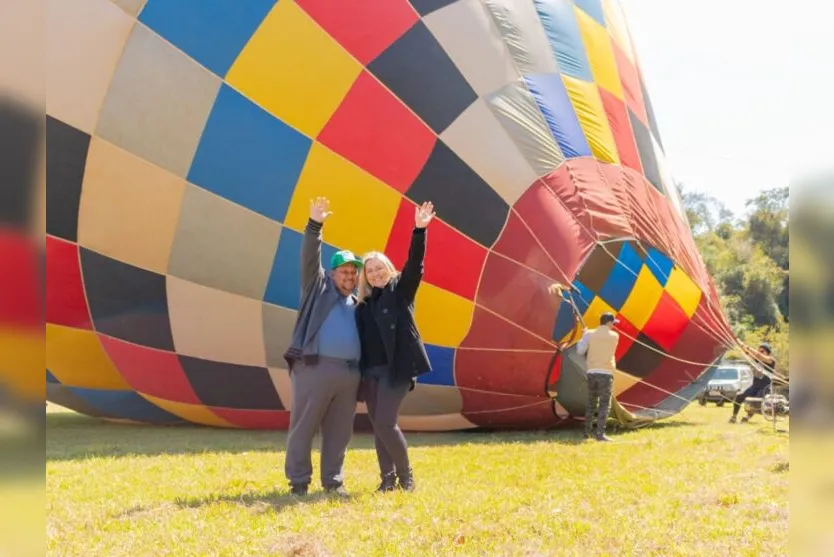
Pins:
<point x="582" y="349"/>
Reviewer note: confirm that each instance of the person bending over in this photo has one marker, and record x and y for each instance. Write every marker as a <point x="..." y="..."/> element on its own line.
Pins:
<point x="761" y="381"/>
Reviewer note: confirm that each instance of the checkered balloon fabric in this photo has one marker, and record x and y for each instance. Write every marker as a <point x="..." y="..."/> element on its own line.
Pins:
<point x="185" y="140"/>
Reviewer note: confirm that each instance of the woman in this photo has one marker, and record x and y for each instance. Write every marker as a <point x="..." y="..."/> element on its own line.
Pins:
<point x="393" y="354"/>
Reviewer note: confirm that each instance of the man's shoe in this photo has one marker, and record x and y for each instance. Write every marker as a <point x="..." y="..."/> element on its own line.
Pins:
<point x="299" y="489"/>
<point x="603" y="437"/>
<point x="733" y="420"/>
<point x="389" y="483"/>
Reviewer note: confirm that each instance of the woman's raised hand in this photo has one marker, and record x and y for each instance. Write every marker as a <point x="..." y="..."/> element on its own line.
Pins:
<point x="319" y="209"/>
<point x="423" y="214"/>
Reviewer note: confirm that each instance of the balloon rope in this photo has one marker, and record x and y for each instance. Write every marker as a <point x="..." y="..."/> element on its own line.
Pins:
<point x="549" y="399"/>
<point x="496" y="28"/>
<point x="655" y="387"/>
<point x="714" y="336"/>
<point x="700" y="364"/>
<point x="653" y="410"/>
<point x="487" y="392"/>
<point x="733" y="342"/>
<point x="648" y="383"/>
<point x="509" y="409"/>
<point x="726" y="340"/>
<point x="566" y="277"/>
<point x="595" y="239"/>
<point x="519" y="350"/>
<point x="516" y="325"/>
<point x="752" y="361"/>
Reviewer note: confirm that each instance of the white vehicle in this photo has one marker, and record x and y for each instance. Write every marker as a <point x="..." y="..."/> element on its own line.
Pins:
<point x="726" y="383"/>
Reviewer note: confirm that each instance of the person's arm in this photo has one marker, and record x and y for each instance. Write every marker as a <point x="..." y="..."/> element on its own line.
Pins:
<point x="311" y="269"/>
<point x="770" y="361"/>
<point x="360" y="329"/>
<point x="412" y="273"/>
<point x="766" y="359"/>
<point x="582" y="346"/>
<point x="558" y="289"/>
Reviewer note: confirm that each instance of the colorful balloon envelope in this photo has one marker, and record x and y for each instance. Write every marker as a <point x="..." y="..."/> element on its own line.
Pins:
<point x="185" y="140"/>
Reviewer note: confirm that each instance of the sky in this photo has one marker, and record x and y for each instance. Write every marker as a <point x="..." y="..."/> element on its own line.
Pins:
<point x="742" y="105"/>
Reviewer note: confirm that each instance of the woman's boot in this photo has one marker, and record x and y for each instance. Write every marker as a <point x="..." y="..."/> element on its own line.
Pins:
<point x="389" y="482"/>
<point x="407" y="481"/>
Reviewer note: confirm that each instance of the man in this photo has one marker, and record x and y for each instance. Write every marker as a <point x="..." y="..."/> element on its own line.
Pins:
<point x="599" y="345"/>
<point x="323" y="361"/>
<point x="761" y="381"/>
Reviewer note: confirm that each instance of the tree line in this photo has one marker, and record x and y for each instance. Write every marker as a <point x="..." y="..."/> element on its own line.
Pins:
<point x="748" y="258"/>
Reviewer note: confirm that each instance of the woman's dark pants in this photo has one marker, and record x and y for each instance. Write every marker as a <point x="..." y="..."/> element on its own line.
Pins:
<point x="384" y="400"/>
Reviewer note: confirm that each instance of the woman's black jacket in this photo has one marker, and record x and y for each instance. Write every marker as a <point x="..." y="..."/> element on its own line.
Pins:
<point x="393" y="312"/>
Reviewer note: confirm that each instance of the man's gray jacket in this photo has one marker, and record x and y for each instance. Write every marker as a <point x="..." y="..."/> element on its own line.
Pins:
<point x="318" y="296"/>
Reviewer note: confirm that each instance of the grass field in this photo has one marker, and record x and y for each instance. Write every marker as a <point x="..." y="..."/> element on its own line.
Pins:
<point x="691" y="485"/>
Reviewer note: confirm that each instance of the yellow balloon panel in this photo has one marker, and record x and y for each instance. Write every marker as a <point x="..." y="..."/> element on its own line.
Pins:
<point x="623" y="381"/>
<point x="442" y="317"/>
<point x="600" y="54"/>
<point x="643" y="298"/>
<point x="592" y="117"/>
<point x="617" y="26"/>
<point x="595" y="311"/>
<point x="574" y="334"/>
<point x="303" y="85"/>
<point x="21" y="363"/>
<point x="77" y="359"/>
<point x="363" y="207"/>
<point x="191" y="412"/>
<point x="684" y="291"/>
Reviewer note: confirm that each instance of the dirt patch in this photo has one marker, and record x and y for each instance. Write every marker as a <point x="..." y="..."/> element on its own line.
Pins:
<point x="298" y="546"/>
<point x="781" y="467"/>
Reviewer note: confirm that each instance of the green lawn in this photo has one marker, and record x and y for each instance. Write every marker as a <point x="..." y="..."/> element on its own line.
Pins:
<point x="691" y="485"/>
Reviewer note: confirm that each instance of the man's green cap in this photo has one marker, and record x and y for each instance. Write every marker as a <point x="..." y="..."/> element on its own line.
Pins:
<point x="345" y="256"/>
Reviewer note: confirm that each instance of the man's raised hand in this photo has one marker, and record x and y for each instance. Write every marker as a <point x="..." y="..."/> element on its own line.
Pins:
<point x="319" y="209"/>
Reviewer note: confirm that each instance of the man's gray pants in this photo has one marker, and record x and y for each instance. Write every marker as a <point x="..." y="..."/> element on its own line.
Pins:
<point x="324" y="398"/>
<point x="600" y="386"/>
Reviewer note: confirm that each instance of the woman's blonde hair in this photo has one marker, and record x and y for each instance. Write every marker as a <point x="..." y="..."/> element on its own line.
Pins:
<point x="364" y="287"/>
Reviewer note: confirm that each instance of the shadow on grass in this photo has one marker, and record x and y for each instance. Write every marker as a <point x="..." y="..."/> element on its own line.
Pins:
<point x="257" y="502"/>
<point x="262" y="501"/>
<point x="21" y="456"/>
<point x="71" y="436"/>
<point x="668" y="423"/>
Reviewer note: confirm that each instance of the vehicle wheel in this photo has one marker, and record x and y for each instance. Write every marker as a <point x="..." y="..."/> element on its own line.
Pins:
<point x="720" y="403"/>
<point x="702" y="402"/>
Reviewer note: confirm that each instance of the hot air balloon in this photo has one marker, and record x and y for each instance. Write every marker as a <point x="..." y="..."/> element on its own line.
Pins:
<point x="185" y="140"/>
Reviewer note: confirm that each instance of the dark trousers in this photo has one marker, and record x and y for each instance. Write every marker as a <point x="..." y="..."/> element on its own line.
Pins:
<point x="324" y="398"/>
<point x="742" y="396"/>
<point x="600" y="386"/>
<point x="384" y="401"/>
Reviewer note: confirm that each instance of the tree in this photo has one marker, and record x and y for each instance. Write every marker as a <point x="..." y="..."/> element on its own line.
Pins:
<point x="768" y="228"/>
<point x="749" y="262"/>
<point x="704" y="212"/>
